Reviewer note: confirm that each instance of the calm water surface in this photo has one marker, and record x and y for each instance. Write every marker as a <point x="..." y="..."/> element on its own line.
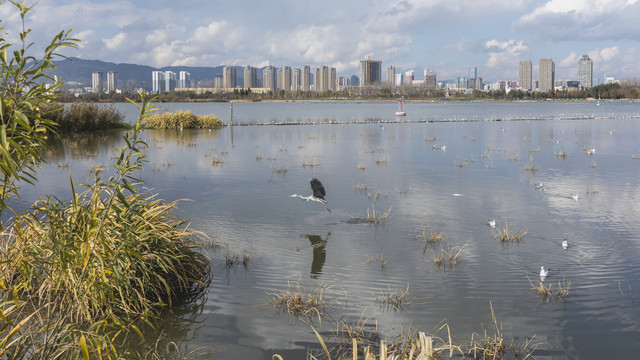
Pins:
<point x="243" y="203"/>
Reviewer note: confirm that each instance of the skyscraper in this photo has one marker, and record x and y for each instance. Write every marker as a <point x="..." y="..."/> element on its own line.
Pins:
<point x="430" y="78"/>
<point x="333" y="82"/>
<point x="96" y="82"/>
<point x="112" y="81"/>
<point x="524" y="75"/>
<point x="391" y="74"/>
<point x="250" y="77"/>
<point x="284" y="78"/>
<point x="305" y="80"/>
<point x="585" y="72"/>
<point x="408" y="77"/>
<point x="269" y="78"/>
<point x="546" y="74"/>
<point x="185" y="80"/>
<point x="295" y="79"/>
<point x="370" y="72"/>
<point x="157" y="81"/>
<point x="169" y="81"/>
<point x="229" y="77"/>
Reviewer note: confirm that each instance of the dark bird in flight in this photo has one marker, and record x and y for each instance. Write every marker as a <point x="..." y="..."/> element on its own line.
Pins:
<point x="318" y="193"/>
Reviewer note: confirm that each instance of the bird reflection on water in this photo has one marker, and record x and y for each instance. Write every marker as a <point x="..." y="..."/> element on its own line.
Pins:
<point x="319" y="253"/>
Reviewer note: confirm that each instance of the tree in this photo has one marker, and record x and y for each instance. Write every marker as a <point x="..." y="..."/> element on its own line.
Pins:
<point x="24" y="100"/>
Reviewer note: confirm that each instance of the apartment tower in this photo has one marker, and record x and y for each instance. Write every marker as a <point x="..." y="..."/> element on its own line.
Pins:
<point x="546" y="74"/>
<point x="250" y="77"/>
<point x="229" y="77"/>
<point x="157" y="82"/>
<point x="305" y="78"/>
<point x="391" y="74"/>
<point x="585" y="72"/>
<point x="269" y="78"/>
<point x="96" y="82"/>
<point x="525" y="75"/>
<point x="370" y="72"/>
<point x="184" y="80"/>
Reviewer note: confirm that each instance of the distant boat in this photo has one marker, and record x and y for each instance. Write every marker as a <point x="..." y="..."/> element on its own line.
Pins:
<point x="400" y="112"/>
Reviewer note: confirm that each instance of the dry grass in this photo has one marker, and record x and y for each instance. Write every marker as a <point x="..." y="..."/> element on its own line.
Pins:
<point x="361" y="167"/>
<point x="396" y="299"/>
<point x="311" y="164"/>
<point x="277" y="168"/>
<point x="381" y="161"/>
<point x="563" y="289"/>
<point x="449" y="255"/>
<point x="217" y="160"/>
<point x="302" y="303"/>
<point x="461" y="164"/>
<point x="361" y="187"/>
<point x="428" y="235"/>
<point x="532" y="168"/>
<point x="374" y="259"/>
<point x="544" y="292"/>
<point x="560" y="154"/>
<point x="374" y="217"/>
<point x="506" y="236"/>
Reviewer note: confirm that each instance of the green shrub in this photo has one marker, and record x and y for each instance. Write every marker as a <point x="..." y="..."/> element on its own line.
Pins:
<point x="83" y="117"/>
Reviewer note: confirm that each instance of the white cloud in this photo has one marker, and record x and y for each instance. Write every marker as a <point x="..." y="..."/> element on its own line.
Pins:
<point x="589" y="20"/>
<point x="504" y="53"/>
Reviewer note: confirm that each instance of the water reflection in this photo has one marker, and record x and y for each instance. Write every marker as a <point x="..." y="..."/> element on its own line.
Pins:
<point x="318" y="245"/>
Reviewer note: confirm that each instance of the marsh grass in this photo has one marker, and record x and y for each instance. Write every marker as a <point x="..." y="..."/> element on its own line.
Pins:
<point x="311" y="164"/>
<point x="94" y="269"/>
<point x="560" y="154"/>
<point x="543" y="291"/>
<point x="506" y="236"/>
<point x="217" y="160"/>
<point x="396" y="299"/>
<point x="532" y="168"/>
<point x="277" y="168"/>
<point x="381" y="161"/>
<point x="233" y="259"/>
<point x="83" y="117"/>
<point x="361" y="187"/>
<point x="302" y="303"/>
<point x="361" y="167"/>
<point x="183" y="120"/>
<point x="429" y="236"/>
<point x="461" y="164"/>
<point x="377" y="217"/>
<point x="447" y="256"/>
<point x="563" y="290"/>
<point x="380" y="258"/>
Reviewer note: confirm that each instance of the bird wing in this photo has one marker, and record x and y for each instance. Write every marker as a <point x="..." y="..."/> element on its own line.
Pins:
<point x="317" y="188"/>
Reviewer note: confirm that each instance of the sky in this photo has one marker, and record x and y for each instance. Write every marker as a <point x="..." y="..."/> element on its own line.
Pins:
<point x="447" y="36"/>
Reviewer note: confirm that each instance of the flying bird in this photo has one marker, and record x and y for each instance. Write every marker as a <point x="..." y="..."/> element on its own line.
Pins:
<point x="318" y="193"/>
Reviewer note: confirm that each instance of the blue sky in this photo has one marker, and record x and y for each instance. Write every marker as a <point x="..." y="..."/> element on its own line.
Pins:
<point x="448" y="36"/>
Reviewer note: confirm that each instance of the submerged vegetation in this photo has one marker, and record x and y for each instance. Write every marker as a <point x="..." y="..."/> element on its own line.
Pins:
<point x="95" y="275"/>
<point x="83" y="117"/>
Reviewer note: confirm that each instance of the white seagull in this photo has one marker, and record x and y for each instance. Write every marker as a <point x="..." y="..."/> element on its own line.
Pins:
<point x="565" y="245"/>
<point x="574" y="197"/>
<point x="543" y="273"/>
<point x="318" y="193"/>
<point x="540" y="186"/>
<point x="492" y="223"/>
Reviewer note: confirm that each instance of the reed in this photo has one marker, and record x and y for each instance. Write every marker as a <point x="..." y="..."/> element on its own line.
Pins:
<point x="374" y="217"/>
<point x="311" y="164"/>
<point x="277" y="168"/>
<point x="506" y="236"/>
<point x="381" y="161"/>
<point x="100" y="265"/>
<point x="532" y="168"/>
<point x="428" y="235"/>
<point x="563" y="289"/>
<point x="361" y="187"/>
<point x="396" y="299"/>
<point x="183" y="120"/>
<point x="544" y="292"/>
<point x="302" y="303"/>
<point x="83" y="117"/>
<point x="361" y="167"/>
<point x="374" y="259"/>
<point x="560" y="154"/>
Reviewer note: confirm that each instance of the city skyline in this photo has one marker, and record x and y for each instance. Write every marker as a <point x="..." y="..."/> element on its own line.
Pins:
<point x="447" y="36"/>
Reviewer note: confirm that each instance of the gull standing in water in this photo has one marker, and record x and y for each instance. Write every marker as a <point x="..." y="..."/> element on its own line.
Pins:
<point x="492" y="223"/>
<point x="318" y="193"/>
<point x="565" y="245"/>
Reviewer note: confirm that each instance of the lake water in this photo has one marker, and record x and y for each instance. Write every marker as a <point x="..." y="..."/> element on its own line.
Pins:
<point x="448" y="165"/>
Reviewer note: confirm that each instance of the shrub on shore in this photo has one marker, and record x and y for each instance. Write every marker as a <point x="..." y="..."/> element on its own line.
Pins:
<point x="183" y="120"/>
<point x="84" y="117"/>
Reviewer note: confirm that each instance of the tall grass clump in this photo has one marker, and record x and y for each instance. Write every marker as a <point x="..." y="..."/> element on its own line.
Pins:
<point x="183" y="120"/>
<point x="83" y="117"/>
<point x="98" y="268"/>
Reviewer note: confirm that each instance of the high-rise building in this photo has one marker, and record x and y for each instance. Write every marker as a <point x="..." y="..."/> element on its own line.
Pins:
<point x="473" y="72"/>
<point x="370" y="72"/>
<point x="355" y="81"/>
<point x="546" y="74"/>
<point x="229" y="77"/>
<point x="96" y="82"/>
<point x="250" y="77"/>
<point x="284" y="78"/>
<point x="269" y="78"/>
<point x="398" y="80"/>
<point x="157" y="82"/>
<point x="408" y="77"/>
<point x="333" y="84"/>
<point x="305" y="80"/>
<point x="217" y="81"/>
<point x="525" y="75"/>
<point x="170" y="81"/>
<point x="391" y="74"/>
<point x="185" y="80"/>
<point x="295" y="79"/>
<point x="585" y="72"/>
<point x="112" y="81"/>
<point x="430" y="78"/>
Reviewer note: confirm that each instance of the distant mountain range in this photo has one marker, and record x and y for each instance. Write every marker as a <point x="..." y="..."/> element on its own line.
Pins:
<point x="80" y="70"/>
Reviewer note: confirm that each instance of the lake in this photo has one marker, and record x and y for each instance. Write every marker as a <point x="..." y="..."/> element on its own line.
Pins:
<point x="448" y="167"/>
